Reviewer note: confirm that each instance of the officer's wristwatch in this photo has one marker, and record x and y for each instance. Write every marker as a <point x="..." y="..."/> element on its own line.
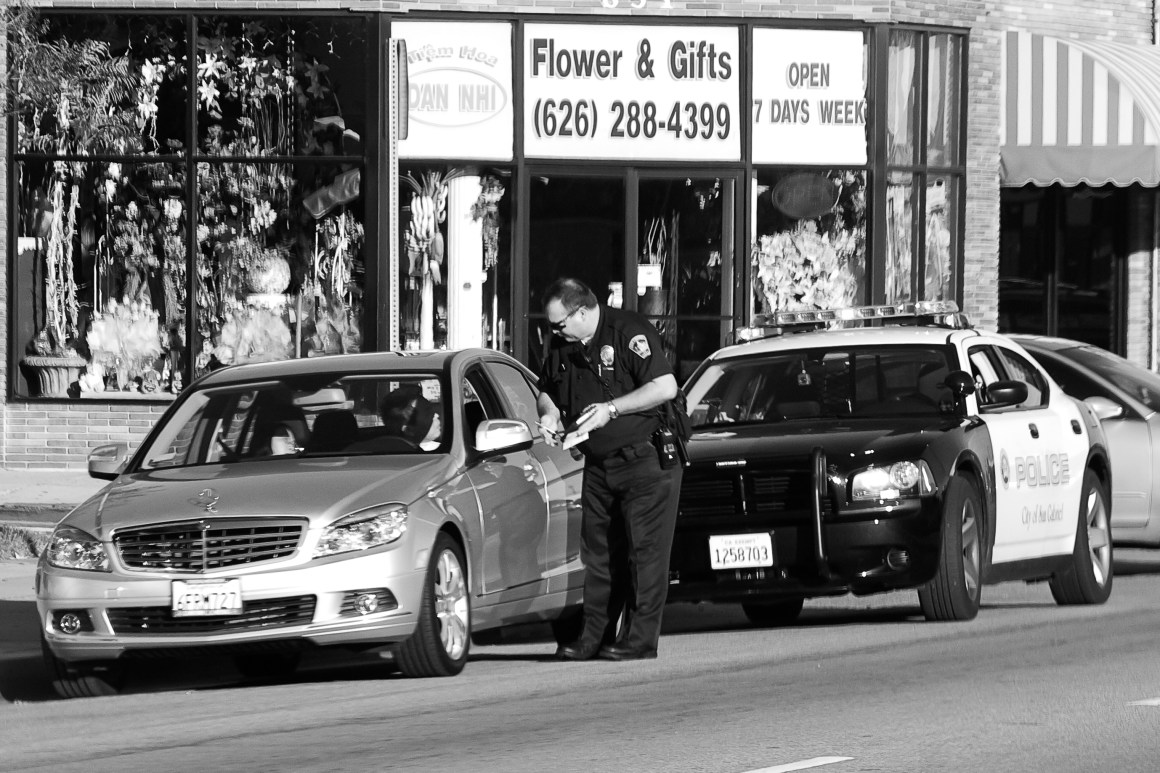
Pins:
<point x="613" y="413"/>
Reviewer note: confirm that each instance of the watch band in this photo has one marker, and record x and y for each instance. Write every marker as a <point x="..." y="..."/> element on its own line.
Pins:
<point x="613" y="413"/>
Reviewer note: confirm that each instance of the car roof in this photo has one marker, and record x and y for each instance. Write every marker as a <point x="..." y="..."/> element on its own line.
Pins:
<point x="1050" y="343"/>
<point x="886" y="335"/>
<point x="434" y="361"/>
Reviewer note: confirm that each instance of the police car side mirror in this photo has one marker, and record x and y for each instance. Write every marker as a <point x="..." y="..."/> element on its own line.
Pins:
<point x="1006" y="393"/>
<point x="960" y="383"/>
<point x="1104" y="408"/>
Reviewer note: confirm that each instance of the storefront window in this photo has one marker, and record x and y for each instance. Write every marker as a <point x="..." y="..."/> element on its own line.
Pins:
<point x="109" y="247"/>
<point x="943" y="99"/>
<point x="899" y="237"/>
<point x="902" y="99"/>
<point x="810" y="251"/>
<point x="942" y="211"/>
<point x="455" y="275"/>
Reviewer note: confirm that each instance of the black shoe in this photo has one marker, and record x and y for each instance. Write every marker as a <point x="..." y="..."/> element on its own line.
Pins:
<point x="577" y="651"/>
<point x="621" y="652"/>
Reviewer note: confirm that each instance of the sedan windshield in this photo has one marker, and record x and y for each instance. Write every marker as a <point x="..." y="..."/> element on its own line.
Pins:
<point x="270" y="420"/>
<point x="856" y="382"/>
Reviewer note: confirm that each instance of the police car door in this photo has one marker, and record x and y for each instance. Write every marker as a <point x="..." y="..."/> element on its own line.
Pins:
<point x="1039" y="459"/>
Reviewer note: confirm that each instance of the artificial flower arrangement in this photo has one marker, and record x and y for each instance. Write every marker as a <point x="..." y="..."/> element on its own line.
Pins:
<point x="253" y="335"/>
<point x="125" y="340"/>
<point x="486" y="209"/>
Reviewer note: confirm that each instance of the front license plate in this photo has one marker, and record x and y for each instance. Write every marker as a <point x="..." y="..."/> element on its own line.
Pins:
<point x="203" y="598"/>
<point x="738" y="551"/>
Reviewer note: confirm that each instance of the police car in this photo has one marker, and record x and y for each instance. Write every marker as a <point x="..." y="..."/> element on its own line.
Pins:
<point x="910" y="452"/>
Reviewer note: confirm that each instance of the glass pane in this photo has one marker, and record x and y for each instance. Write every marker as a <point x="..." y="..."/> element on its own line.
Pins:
<point x="942" y="230"/>
<point x="282" y="86"/>
<point x="899" y="267"/>
<point x="577" y="230"/>
<point x="679" y="261"/>
<point x="810" y="251"/>
<point x="1026" y="259"/>
<point x="1094" y="228"/>
<point x="455" y="275"/>
<point x="944" y="84"/>
<point x="101" y="272"/>
<point x="902" y="98"/>
<point x="98" y="82"/>
<point x="279" y="274"/>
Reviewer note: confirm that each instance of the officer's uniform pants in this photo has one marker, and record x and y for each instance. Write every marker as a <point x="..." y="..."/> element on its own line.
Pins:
<point x="626" y="535"/>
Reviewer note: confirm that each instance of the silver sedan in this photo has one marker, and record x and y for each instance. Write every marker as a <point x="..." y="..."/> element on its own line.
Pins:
<point x="1127" y="399"/>
<point x="360" y="501"/>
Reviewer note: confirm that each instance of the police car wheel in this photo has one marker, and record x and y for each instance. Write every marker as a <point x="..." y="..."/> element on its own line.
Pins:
<point x="773" y="613"/>
<point x="1089" y="578"/>
<point x="954" y="592"/>
<point x="441" y="640"/>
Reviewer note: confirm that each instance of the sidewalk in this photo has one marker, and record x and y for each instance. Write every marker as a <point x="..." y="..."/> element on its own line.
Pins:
<point x="41" y="497"/>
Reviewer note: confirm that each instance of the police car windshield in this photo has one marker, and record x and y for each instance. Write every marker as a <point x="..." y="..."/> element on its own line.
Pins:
<point x="804" y="385"/>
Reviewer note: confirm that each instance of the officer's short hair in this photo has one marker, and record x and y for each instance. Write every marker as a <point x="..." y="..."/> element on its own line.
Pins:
<point x="571" y="293"/>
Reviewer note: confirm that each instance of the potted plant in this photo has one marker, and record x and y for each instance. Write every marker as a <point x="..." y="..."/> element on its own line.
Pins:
<point x="68" y="96"/>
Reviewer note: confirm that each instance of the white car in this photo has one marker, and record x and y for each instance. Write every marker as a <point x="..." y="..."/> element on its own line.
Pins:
<point x="364" y="501"/>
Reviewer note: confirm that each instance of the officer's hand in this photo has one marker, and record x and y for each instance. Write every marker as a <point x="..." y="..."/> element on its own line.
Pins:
<point x="550" y="429"/>
<point x="593" y="417"/>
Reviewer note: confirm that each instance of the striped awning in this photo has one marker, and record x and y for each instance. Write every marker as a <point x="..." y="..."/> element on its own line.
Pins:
<point x="1079" y="111"/>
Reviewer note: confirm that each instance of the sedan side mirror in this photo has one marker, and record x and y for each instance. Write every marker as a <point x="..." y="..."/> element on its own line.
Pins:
<point x="106" y="462"/>
<point x="502" y="435"/>
<point x="1104" y="408"/>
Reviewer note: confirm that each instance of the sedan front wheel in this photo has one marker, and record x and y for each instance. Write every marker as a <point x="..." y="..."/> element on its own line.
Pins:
<point x="439" y="645"/>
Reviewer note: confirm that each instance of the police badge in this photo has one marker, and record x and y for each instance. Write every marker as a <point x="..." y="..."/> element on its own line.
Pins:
<point x="607" y="356"/>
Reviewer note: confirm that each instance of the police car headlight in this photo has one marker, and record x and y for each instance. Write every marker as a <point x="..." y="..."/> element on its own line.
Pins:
<point x="363" y="530"/>
<point x="71" y="548"/>
<point x="896" y="481"/>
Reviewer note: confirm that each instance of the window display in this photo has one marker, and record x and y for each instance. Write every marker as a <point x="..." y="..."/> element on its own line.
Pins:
<point x="118" y="249"/>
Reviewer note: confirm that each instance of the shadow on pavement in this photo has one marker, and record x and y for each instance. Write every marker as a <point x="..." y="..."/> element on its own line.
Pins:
<point x="1129" y="561"/>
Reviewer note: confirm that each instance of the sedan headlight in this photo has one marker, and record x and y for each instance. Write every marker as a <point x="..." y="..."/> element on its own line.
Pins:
<point x="71" y="548"/>
<point x="362" y="530"/>
<point x="896" y="481"/>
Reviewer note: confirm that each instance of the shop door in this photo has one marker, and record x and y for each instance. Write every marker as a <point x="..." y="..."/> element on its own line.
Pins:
<point x="661" y="243"/>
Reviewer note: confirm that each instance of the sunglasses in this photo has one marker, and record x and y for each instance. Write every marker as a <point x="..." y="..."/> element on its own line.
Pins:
<point x="559" y="325"/>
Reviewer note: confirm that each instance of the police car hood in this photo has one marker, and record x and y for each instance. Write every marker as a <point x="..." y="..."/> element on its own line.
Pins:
<point x="886" y="438"/>
<point x="319" y="489"/>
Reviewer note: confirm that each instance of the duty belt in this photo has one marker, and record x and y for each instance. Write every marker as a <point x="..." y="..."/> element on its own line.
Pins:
<point x="625" y="453"/>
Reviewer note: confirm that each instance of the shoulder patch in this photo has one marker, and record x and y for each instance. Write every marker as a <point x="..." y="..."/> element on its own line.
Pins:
<point x="639" y="346"/>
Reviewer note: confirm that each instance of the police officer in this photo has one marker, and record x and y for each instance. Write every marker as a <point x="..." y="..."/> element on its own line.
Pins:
<point x="606" y="375"/>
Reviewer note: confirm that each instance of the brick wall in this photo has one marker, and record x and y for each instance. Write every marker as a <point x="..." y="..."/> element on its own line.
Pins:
<point x="44" y="434"/>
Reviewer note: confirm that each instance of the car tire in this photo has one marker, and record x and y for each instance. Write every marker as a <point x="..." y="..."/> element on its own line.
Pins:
<point x="267" y="666"/>
<point x="954" y="592"/>
<point x="91" y="679"/>
<point x="441" y="640"/>
<point x="769" y="614"/>
<point x="1089" y="578"/>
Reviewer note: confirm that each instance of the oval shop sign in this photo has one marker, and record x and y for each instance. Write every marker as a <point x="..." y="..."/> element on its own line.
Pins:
<point x="451" y="97"/>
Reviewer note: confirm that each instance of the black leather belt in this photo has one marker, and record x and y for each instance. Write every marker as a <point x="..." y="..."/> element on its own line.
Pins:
<point x="627" y="453"/>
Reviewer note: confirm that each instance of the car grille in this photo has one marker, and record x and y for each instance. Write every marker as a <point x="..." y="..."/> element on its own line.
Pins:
<point x="258" y="615"/>
<point x="709" y="492"/>
<point x="205" y="545"/>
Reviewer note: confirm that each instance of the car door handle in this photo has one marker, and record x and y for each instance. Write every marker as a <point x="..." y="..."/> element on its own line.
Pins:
<point x="530" y="472"/>
<point x="1075" y="427"/>
<point x="1034" y="430"/>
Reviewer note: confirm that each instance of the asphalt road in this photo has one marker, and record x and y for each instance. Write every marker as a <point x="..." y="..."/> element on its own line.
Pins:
<point x="857" y="685"/>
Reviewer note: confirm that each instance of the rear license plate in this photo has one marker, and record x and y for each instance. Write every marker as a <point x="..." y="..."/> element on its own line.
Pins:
<point x="203" y="598"/>
<point x="738" y="551"/>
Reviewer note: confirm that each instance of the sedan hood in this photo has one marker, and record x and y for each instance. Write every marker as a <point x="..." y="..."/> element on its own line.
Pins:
<point x="865" y="439"/>
<point x="319" y="489"/>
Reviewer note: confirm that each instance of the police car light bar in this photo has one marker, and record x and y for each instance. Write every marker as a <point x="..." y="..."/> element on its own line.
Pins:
<point x="765" y="324"/>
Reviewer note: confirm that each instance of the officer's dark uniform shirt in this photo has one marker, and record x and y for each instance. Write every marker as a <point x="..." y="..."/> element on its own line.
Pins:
<point x="624" y="354"/>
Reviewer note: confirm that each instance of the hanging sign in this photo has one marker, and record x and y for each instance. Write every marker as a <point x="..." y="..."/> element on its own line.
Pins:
<point x="809" y="97"/>
<point x="459" y="89"/>
<point x="631" y="92"/>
